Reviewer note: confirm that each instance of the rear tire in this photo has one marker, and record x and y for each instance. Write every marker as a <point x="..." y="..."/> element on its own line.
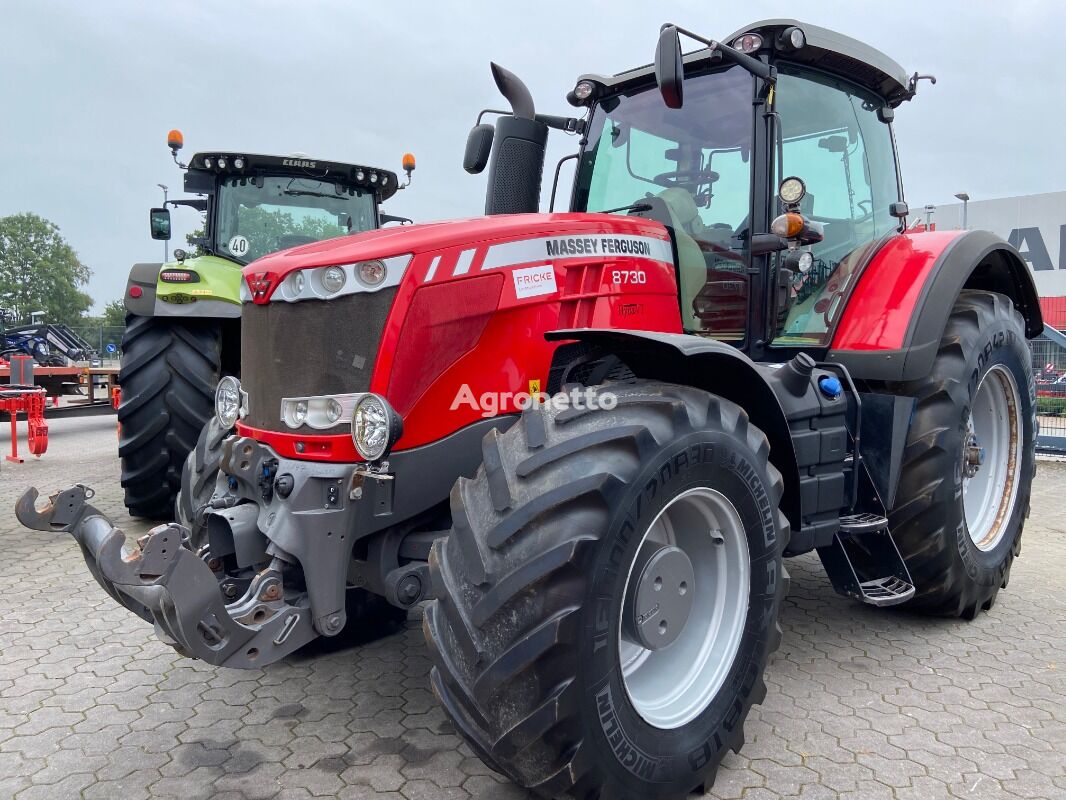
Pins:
<point x="526" y="631"/>
<point x="170" y="368"/>
<point x="959" y="557"/>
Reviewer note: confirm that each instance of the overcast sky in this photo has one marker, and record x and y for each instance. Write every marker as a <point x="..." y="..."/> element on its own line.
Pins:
<point x="88" y="92"/>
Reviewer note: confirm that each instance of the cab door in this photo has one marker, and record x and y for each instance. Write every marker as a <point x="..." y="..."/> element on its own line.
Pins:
<point x="833" y="139"/>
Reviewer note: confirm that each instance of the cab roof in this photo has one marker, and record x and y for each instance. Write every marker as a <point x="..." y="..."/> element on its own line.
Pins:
<point x="384" y="185"/>
<point x="825" y="49"/>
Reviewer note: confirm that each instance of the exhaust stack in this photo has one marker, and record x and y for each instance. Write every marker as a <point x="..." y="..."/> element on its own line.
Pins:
<point x="516" y="163"/>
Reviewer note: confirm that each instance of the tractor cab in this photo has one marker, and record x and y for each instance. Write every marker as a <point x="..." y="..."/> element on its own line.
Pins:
<point x="703" y="142"/>
<point x="721" y="144"/>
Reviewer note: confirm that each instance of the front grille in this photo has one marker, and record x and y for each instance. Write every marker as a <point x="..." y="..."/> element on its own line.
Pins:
<point x="314" y="347"/>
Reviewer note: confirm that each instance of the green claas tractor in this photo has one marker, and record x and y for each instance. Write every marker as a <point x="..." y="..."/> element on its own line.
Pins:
<point x="183" y="317"/>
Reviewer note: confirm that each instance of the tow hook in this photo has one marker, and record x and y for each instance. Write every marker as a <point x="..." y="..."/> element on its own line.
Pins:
<point x="163" y="581"/>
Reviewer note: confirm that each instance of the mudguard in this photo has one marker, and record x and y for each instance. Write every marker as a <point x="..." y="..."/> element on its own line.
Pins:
<point x="890" y="328"/>
<point x="714" y="366"/>
<point x="215" y="292"/>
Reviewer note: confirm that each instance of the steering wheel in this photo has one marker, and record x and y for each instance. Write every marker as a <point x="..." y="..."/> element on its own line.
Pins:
<point x="672" y="178"/>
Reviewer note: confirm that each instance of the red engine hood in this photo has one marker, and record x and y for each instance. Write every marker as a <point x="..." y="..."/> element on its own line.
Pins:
<point x="415" y="239"/>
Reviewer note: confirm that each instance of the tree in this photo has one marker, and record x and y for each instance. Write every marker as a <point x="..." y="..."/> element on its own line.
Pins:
<point x="265" y="228"/>
<point x="39" y="271"/>
<point x="115" y="314"/>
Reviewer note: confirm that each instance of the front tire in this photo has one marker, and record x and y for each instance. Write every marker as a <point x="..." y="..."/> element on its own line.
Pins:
<point x="170" y="368"/>
<point x="971" y="456"/>
<point x="533" y="633"/>
<point x="198" y="481"/>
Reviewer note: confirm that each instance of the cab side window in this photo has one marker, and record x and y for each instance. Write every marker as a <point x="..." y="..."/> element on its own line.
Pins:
<point x="834" y="141"/>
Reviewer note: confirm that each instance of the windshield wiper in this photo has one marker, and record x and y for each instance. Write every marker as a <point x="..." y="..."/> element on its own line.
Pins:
<point x="303" y="193"/>
<point x="630" y="207"/>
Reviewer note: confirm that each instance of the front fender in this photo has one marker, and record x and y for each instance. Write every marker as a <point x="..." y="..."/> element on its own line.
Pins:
<point x="715" y="367"/>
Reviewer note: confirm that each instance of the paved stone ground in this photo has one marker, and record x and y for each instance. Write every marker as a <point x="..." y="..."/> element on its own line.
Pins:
<point x="861" y="703"/>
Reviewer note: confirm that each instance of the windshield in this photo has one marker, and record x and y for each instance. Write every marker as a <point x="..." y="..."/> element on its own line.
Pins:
<point x="286" y="211"/>
<point x="697" y="161"/>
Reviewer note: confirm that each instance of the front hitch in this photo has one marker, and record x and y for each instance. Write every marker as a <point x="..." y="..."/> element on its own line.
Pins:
<point x="164" y="582"/>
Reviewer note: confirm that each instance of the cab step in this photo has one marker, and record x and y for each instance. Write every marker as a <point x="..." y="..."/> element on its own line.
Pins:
<point x="859" y="524"/>
<point x="864" y="563"/>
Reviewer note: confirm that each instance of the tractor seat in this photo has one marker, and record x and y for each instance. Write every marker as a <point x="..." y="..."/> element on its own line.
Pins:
<point x="689" y="230"/>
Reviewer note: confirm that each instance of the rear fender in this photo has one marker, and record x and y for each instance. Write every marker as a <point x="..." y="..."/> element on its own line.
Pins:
<point x="715" y="367"/>
<point x="140" y="289"/>
<point x="216" y="291"/>
<point x="891" y="328"/>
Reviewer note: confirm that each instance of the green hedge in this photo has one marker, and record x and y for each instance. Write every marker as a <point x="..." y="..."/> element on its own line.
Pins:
<point x="1051" y="406"/>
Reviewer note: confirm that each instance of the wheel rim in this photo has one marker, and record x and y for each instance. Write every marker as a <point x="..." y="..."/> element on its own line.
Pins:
<point x="990" y="458"/>
<point x="673" y="685"/>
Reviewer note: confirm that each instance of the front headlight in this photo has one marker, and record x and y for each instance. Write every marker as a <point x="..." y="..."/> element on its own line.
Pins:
<point x="332" y="279"/>
<point x="228" y="402"/>
<point x="375" y="427"/>
<point x="320" y="413"/>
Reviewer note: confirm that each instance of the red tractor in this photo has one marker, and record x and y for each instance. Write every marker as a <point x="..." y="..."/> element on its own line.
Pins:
<point x="542" y="424"/>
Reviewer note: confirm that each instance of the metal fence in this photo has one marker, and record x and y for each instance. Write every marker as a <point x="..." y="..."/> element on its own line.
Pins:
<point x="100" y="336"/>
<point x="1049" y="368"/>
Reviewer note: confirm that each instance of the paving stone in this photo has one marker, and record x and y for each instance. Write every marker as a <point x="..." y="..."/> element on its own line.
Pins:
<point x="861" y="703"/>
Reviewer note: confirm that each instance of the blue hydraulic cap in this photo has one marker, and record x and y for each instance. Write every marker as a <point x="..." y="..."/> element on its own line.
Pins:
<point x="830" y="386"/>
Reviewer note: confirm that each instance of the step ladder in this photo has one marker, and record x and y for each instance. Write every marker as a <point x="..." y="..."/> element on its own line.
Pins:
<point x="864" y="563"/>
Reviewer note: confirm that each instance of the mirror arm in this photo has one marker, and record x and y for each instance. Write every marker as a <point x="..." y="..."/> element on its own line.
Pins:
<point x="763" y="243"/>
<point x="752" y="65"/>
<point x="199" y="203"/>
<point x="566" y="124"/>
<point x="555" y="182"/>
<point x="485" y="111"/>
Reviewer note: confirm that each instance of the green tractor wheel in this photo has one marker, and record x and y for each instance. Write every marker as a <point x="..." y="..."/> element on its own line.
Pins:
<point x="170" y="368"/>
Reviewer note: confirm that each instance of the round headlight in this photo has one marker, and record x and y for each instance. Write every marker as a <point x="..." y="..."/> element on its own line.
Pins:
<point x="583" y="90"/>
<point x="373" y="177"/>
<point x="208" y="162"/>
<point x="228" y="402"/>
<point x="375" y="427"/>
<point x="238" y="162"/>
<point x="296" y="283"/>
<point x="333" y="411"/>
<point x="333" y="279"/>
<point x="748" y="43"/>
<point x="792" y="190"/>
<point x="359" y="175"/>
<point x="805" y="262"/>
<point x="221" y="163"/>
<point x="299" y="413"/>
<point x="372" y="273"/>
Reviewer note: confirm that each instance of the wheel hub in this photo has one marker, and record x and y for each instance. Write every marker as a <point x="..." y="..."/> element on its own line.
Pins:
<point x="659" y="607"/>
<point x="973" y="456"/>
<point x="692" y="572"/>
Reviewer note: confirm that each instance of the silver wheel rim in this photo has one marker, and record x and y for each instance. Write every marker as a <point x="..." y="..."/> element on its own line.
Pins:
<point x="990" y="458"/>
<point x="672" y="686"/>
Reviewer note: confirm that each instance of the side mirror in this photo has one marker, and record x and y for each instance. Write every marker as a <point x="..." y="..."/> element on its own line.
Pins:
<point x="160" y="223"/>
<point x="478" y="147"/>
<point x="669" y="70"/>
